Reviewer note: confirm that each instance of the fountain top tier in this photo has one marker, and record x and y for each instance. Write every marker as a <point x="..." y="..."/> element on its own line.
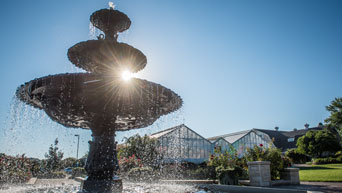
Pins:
<point x="106" y="55"/>
<point x="110" y="21"/>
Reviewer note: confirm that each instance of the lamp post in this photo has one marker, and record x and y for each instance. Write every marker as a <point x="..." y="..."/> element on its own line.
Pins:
<point x="78" y="143"/>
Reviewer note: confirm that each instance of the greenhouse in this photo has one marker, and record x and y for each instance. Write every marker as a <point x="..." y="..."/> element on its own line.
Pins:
<point x="182" y="144"/>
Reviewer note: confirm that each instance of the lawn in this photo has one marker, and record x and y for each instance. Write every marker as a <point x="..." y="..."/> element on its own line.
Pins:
<point x="321" y="173"/>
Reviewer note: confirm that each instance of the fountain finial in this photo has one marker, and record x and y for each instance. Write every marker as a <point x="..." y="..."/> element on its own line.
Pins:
<point x="111" y="5"/>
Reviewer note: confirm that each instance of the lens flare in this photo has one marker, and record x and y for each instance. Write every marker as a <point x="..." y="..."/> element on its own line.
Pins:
<point x="126" y="75"/>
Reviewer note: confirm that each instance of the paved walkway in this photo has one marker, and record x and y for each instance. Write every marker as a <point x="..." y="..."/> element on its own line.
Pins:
<point x="316" y="186"/>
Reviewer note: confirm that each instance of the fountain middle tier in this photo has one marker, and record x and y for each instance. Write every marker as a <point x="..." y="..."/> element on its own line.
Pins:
<point x="104" y="56"/>
<point x="93" y="101"/>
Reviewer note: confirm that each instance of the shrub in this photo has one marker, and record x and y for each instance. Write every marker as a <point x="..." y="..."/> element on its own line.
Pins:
<point x="229" y="176"/>
<point x="227" y="166"/>
<point x="286" y="162"/>
<point x="277" y="163"/>
<point x="52" y="175"/>
<point x="126" y="164"/>
<point x="203" y="173"/>
<point x="68" y="162"/>
<point x="15" y="169"/>
<point x="78" y="172"/>
<point x="328" y="160"/>
<point x="338" y="154"/>
<point x="296" y="157"/>
<point x="173" y="171"/>
<point x="141" y="174"/>
<point x="259" y="153"/>
<point x="144" y="148"/>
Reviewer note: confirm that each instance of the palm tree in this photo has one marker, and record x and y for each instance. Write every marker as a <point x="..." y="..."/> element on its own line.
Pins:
<point x="334" y="121"/>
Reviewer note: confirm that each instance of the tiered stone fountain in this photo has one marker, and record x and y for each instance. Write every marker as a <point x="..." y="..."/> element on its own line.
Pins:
<point x="100" y="100"/>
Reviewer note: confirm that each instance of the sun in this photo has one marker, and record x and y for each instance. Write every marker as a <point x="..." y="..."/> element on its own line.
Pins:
<point x="126" y="75"/>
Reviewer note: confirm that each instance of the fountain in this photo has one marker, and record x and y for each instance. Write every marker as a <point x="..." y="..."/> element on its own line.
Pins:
<point x="100" y="100"/>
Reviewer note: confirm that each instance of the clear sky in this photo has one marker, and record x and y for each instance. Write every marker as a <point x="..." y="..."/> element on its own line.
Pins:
<point x="237" y="64"/>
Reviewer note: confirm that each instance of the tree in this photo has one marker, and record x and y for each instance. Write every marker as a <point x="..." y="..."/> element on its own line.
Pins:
<point x="143" y="148"/>
<point x="53" y="157"/>
<point x="69" y="162"/>
<point x="315" y="143"/>
<point x="334" y="121"/>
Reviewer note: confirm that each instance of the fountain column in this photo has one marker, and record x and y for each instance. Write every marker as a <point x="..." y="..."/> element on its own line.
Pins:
<point x="102" y="165"/>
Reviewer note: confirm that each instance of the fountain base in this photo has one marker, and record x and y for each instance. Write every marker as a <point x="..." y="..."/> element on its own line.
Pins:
<point x="101" y="166"/>
<point x="105" y="186"/>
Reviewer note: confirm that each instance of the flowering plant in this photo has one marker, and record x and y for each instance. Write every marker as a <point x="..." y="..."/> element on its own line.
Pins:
<point x="126" y="164"/>
<point x="14" y="169"/>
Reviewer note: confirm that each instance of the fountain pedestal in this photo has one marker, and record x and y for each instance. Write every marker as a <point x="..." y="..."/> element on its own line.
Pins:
<point x="102" y="165"/>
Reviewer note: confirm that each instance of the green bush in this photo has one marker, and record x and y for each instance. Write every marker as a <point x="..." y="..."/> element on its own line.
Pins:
<point x="277" y="163"/>
<point x="296" y="156"/>
<point x="229" y="176"/>
<point x="58" y="174"/>
<point x="78" y="172"/>
<point x="259" y="153"/>
<point x="227" y="166"/>
<point x="141" y="174"/>
<point x="52" y="175"/>
<point x="328" y="160"/>
<point x="206" y="172"/>
<point x="338" y="154"/>
<point x="15" y="169"/>
<point x="143" y="148"/>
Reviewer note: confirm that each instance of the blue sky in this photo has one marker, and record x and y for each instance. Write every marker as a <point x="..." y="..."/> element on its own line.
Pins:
<point x="237" y="64"/>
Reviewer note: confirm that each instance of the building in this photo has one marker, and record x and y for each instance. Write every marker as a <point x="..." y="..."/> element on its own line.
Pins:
<point x="243" y="140"/>
<point x="181" y="143"/>
<point x="283" y="140"/>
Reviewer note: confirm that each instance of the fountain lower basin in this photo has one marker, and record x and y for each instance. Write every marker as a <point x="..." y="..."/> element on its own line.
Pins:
<point x="83" y="100"/>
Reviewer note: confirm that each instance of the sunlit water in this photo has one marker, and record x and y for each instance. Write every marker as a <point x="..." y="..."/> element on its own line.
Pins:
<point x="127" y="188"/>
<point x="29" y="130"/>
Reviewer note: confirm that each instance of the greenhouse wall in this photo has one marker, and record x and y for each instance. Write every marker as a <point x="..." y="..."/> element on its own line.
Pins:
<point x="249" y="140"/>
<point x="183" y="144"/>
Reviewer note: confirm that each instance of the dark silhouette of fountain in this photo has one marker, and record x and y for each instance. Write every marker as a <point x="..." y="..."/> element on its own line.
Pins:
<point x="100" y="100"/>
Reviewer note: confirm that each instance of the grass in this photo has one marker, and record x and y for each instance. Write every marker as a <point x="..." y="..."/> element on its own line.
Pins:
<point x="321" y="173"/>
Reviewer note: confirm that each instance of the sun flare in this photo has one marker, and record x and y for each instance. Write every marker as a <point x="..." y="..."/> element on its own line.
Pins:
<point x="126" y="75"/>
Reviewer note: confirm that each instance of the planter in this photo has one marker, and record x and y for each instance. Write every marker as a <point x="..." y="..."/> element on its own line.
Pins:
<point x="291" y="175"/>
<point x="259" y="173"/>
<point x="229" y="176"/>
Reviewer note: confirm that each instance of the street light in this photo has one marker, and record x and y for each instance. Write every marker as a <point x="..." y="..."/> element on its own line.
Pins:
<point x="78" y="143"/>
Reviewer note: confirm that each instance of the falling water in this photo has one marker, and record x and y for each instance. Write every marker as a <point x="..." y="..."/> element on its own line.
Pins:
<point x="127" y="188"/>
<point x="30" y="130"/>
<point x="92" y="31"/>
<point x="164" y="122"/>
